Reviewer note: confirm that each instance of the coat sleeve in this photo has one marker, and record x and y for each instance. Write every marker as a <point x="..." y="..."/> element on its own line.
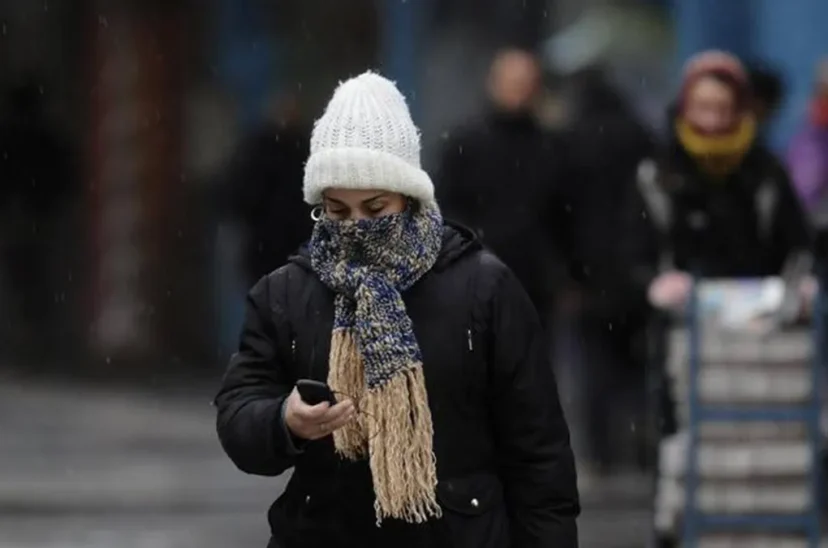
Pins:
<point x="793" y="233"/>
<point x="535" y="459"/>
<point x="559" y="212"/>
<point x="254" y="388"/>
<point x="640" y="244"/>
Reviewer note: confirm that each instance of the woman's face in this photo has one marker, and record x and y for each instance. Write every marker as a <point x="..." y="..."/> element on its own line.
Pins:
<point x="348" y="204"/>
<point x="710" y="106"/>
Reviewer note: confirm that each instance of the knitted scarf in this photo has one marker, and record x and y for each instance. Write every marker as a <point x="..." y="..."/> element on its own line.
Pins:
<point x="718" y="155"/>
<point x="374" y="355"/>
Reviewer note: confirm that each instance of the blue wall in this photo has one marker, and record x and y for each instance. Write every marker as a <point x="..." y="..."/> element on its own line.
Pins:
<point x="790" y="35"/>
<point x="706" y="24"/>
<point x="402" y="24"/>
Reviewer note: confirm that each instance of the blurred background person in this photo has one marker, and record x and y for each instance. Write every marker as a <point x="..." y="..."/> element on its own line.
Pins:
<point x="808" y="162"/>
<point x="605" y="144"/>
<point x="38" y="191"/>
<point x="501" y="176"/>
<point x="714" y="178"/>
<point x="808" y="153"/>
<point x="261" y="189"/>
<point x="714" y="204"/>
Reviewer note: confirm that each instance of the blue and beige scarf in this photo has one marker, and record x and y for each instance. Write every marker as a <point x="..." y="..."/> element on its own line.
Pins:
<point x="375" y="357"/>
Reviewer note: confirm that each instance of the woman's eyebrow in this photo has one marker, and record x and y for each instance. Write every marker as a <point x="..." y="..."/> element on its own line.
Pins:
<point x="377" y="197"/>
<point x="333" y="201"/>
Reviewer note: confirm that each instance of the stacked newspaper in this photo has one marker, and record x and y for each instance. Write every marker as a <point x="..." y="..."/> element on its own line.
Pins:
<point x="747" y="359"/>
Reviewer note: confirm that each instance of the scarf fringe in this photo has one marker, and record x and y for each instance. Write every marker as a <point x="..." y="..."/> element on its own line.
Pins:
<point x="394" y="430"/>
<point x="347" y="376"/>
<point x="401" y="448"/>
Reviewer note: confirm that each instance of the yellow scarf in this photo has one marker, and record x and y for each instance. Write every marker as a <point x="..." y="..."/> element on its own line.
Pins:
<point x="717" y="155"/>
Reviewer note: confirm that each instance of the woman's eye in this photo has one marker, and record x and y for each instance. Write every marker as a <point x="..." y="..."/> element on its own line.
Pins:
<point x="337" y="212"/>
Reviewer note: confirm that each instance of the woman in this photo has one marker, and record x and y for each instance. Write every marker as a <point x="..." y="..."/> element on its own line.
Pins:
<point x="716" y="204"/>
<point x="721" y="204"/>
<point x="448" y="430"/>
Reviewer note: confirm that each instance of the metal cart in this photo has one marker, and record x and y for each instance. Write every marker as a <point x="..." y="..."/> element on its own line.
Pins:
<point x="750" y="437"/>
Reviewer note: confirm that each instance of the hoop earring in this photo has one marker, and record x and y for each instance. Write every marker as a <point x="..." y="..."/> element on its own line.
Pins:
<point x="316" y="213"/>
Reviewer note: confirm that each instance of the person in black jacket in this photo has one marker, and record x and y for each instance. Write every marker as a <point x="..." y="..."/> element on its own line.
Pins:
<point x="39" y="191"/>
<point x="606" y="142"/>
<point x="502" y="177"/>
<point x="447" y="430"/>
<point x="262" y="193"/>
<point x="717" y="202"/>
<point x="714" y="204"/>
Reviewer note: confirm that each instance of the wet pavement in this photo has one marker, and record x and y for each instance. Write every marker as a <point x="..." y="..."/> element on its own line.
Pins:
<point x="84" y="467"/>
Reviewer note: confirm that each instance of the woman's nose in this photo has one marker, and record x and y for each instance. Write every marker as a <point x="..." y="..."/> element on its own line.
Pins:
<point x="357" y="215"/>
<point x="713" y="122"/>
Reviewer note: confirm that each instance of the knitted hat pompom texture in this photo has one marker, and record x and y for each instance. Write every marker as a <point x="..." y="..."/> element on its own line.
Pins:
<point x="366" y="140"/>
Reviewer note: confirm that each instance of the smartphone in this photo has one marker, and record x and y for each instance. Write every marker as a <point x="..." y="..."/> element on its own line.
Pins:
<point x="315" y="392"/>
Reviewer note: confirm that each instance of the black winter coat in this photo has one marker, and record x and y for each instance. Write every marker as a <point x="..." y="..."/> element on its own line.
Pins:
<point x="504" y="179"/>
<point x="605" y="148"/>
<point x="745" y="226"/>
<point x="505" y="468"/>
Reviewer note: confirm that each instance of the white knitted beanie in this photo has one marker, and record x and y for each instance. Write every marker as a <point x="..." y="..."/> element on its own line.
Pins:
<point x="366" y="140"/>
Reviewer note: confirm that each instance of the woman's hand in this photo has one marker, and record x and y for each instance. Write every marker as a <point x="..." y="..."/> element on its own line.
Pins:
<point x="670" y="290"/>
<point x="313" y="422"/>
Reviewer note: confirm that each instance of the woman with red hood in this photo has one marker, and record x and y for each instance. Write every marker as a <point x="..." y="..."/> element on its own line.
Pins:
<point x="714" y="204"/>
<point x="721" y="204"/>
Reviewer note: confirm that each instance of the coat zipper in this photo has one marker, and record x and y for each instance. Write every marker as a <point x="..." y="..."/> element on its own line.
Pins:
<point x="470" y="369"/>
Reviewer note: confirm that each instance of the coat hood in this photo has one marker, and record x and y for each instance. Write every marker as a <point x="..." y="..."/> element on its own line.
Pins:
<point x="458" y="241"/>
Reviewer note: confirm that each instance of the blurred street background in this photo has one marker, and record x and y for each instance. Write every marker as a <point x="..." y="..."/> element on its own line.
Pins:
<point x="151" y="158"/>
